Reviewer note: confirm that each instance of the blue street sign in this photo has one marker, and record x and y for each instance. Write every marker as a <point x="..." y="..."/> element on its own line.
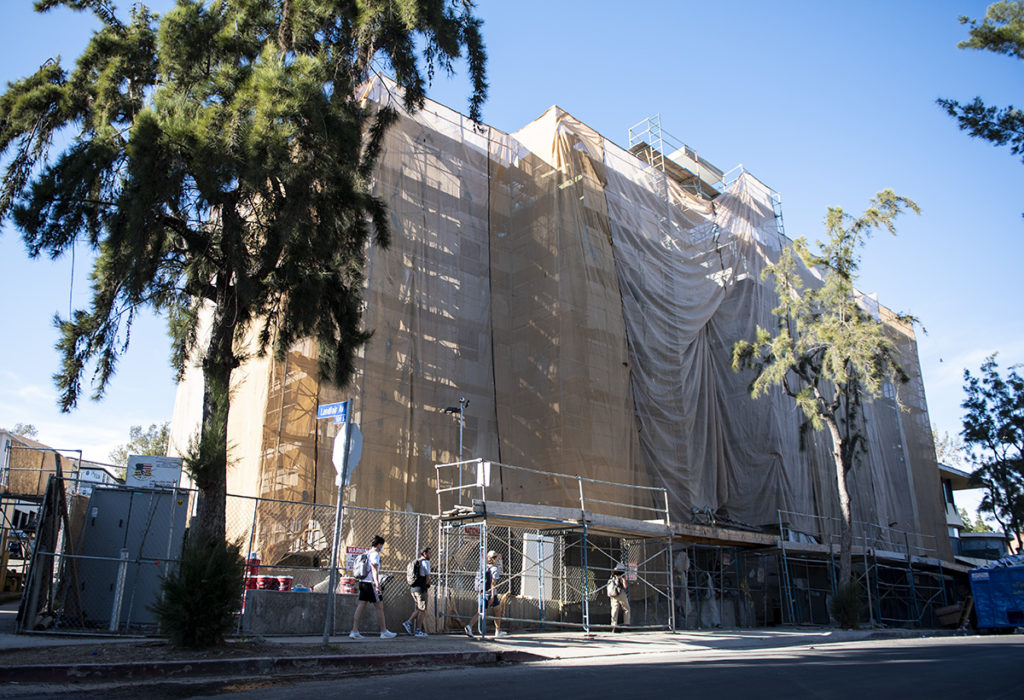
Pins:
<point x="337" y="411"/>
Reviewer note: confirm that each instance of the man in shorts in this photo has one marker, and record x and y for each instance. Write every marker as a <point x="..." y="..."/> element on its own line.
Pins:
<point x="418" y="589"/>
<point x="369" y="592"/>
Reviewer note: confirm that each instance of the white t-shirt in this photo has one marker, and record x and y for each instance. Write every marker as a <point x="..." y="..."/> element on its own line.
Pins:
<point x="373" y="559"/>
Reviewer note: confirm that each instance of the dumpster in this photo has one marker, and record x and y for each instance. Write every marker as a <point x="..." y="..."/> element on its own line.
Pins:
<point x="998" y="596"/>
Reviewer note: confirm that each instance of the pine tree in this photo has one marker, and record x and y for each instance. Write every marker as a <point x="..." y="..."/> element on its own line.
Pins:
<point x="1002" y="31"/>
<point x="828" y="353"/>
<point x="218" y="161"/>
<point x="993" y="431"/>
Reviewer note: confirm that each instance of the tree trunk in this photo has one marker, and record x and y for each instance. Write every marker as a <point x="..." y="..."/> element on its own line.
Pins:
<point x="846" y="520"/>
<point x="211" y="466"/>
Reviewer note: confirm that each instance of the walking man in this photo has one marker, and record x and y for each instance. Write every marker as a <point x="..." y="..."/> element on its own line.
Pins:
<point x="369" y="591"/>
<point x="418" y="589"/>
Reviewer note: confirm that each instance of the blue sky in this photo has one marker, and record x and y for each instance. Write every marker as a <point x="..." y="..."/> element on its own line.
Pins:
<point x="827" y="103"/>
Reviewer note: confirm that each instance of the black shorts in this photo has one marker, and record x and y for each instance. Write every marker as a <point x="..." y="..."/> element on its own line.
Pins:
<point x="492" y="601"/>
<point x="368" y="593"/>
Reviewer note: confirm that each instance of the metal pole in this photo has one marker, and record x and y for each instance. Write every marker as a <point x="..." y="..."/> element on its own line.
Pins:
<point x="252" y="540"/>
<point x="586" y="581"/>
<point x="671" y="569"/>
<point x="122" y="574"/>
<point x="910" y="579"/>
<point x="867" y="581"/>
<point x="540" y="575"/>
<point x="332" y="579"/>
<point x="785" y="574"/>
<point x="446" y="567"/>
<point x="481" y="599"/>
<point x="462" y="408"/>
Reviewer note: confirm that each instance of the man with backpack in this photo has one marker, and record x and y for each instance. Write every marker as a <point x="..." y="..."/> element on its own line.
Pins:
<point x="617" y="590"/>
<point x="417" y="575"/>
<point x="369" y="588"/>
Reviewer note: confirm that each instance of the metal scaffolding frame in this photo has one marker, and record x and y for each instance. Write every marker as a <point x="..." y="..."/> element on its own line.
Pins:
<point x="557" y="558"/>
<point x="903" y="580"/>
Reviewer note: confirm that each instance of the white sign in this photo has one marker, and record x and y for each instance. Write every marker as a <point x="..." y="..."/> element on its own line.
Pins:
<point x="350" y="555"/>
<point x="148" y="472"/>
<point x="483" y="473"/>
<point x="355" y="451"/>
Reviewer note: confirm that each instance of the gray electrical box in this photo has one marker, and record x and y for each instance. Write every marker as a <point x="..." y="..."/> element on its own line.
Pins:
<point x="149" y="526"/>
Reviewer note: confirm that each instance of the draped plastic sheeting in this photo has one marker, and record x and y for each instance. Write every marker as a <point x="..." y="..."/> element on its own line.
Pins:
<point x="586" y="307"/>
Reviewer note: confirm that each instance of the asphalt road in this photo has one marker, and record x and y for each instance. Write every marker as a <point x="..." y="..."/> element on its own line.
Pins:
<point x="978" y="668"/>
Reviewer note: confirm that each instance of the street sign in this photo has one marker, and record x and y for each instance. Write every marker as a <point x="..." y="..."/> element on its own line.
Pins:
<point x="355" y="451"/>
<point x="337" y="411"/>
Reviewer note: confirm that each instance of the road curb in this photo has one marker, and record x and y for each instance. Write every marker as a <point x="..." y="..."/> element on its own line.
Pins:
<point x="254" y="666"/>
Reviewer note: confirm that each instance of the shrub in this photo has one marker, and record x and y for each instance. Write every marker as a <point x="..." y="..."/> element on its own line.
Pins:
<point x="847" y="606"/>
<point x="202" y="595"/>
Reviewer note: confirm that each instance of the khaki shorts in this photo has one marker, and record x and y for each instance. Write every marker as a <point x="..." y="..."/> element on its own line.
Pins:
<point x="419" y="597"/>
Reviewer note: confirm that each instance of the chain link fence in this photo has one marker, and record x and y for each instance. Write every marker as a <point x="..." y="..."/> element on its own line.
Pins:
<point x="550" y="578"/>
<point x="99" y="558"/>
<point x="99" y="553"/>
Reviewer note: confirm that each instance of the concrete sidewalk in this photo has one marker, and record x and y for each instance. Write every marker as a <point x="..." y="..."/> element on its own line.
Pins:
<point x="281" y="656"/>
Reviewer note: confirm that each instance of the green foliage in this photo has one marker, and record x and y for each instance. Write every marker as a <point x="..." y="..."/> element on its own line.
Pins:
<point x="201" y="596"/>
<point x="993" y="431"/>
<point x="847" y="606"/>
<point x="1002" y="32"/>
<point x="218" y="158"/>
<point x="979" y="525"/>
<point x="151" y="441"/>
<point x="208" y="454"/>
<point x="827" y="350"/>
<point x="828" y="353"/>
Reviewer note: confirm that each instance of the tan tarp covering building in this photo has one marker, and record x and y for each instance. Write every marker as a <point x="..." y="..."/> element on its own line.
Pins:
<point x="586" y="306"/>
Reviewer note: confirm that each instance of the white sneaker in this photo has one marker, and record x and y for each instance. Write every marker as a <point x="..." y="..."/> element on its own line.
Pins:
<point x="421" y="633"/>
<point x="469" y="631"/>
<point x="355" y="635"/>
<point x="387" y="634"/>
<point x="502" y="633"/>
<point x="408" y="627"/>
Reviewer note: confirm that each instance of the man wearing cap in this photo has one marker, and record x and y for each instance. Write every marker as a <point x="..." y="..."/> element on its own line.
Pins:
<point x="620" y="600"/>
<point x="490" y="594"/>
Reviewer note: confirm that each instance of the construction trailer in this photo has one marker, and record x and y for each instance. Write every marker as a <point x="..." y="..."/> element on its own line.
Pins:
<point x="583" y="301"/>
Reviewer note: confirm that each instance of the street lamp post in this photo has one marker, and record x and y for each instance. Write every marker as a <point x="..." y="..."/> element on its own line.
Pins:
<point x="461" y="409"/>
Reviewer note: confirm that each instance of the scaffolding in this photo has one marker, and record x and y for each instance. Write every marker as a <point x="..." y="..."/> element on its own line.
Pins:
<point x="903" y="581"/>
<point x="665" y="153"/>
<point x="557" y="559"/>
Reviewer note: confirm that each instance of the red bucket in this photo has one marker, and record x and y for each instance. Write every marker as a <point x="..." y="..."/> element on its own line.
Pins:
<point x="347" y="585"/>
<point x="266" y="583"/>
<point x="252" y="565"/>
<point x="250" y="583"/>
<point x="284" y="583"/>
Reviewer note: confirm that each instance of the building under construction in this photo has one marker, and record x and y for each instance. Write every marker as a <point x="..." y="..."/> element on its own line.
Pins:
<point x="554" y="301"/>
